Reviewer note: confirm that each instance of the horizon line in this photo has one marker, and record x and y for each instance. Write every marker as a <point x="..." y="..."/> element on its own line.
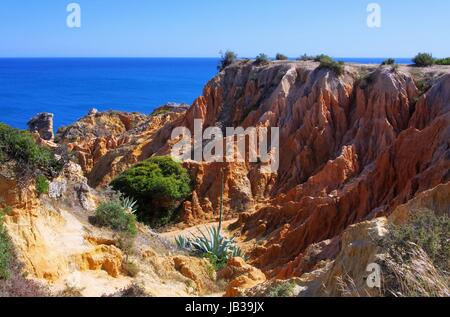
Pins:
<point x="173" y="57"/>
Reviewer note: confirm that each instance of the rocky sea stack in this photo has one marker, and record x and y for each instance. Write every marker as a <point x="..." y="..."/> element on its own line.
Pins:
<point x="42" y="124"/>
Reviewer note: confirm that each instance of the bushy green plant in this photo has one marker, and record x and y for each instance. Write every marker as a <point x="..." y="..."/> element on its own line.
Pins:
<point x="327" y="62"/>
<point x="21" y="146"/>
<point x="389" y="61"/>
<point x="262" y="59"/>
<point x="443" y="61"/>
<point x="216" y="262"/>
<point x="365" y="79"/>
<point x="428" y="231"/>
<point x="226" y="60"/>
<point x="423" y="60"/>
<point x="281" y="57"/>
<point x="3" y="157"/>
<point x="416" y="257"/>
<point x="112" y="214"/>
<point x="5" y="248"/>
<point x="159" y="185"/>
<point x="42" y="185"/>
<point x="320" y="57"/>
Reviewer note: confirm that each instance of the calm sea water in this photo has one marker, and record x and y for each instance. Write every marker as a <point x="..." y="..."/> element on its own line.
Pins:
<point x="70" y="87"/>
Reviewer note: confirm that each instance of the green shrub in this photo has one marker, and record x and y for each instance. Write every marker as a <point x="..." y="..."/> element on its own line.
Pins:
<point x="320" y="57"/>
<point x="161" y="112"/>
<point x="5" y="249"/>
<point x="423" y="85"/>
<point x="428" y="231"/>
<point x="3" y="157"/>
<point x="365" y="79"/>
<point x="416" y="257"/>
<point x="281" y="57"/>
<point x="443" y="61"/>
<point x="327" y="62"/>
<point x="112" y="214"/>
<point x="423" y="60"/>
<point x="226" y="60"/>
<point x="389" y="61"/>
<point x="160" y="185"/>
<point x="42" y="185"/>
<point x="21" y="146"/>
<point x="262" y="59"/>
<point x="217" y="263"/>
<point x="285" y="289"/>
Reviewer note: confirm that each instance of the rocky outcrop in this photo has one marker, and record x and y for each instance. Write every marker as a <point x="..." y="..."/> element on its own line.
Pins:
<point x="348" y="152"/>
<point x="42" y="124"/>
<point x="240" y="276"/>
<point x="107" y="143"/>
<point x="346" y="274"/>
<point x="170" y="107"/>
<point x="198" y="271"/>
<point x="353" y="148"/>
<point x="62" y="250"/>
<point x="99" y="124"/>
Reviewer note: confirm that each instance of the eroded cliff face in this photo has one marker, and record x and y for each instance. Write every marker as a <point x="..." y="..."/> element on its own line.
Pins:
<point x="62" y="250"/>
<point x="352" y="148"/>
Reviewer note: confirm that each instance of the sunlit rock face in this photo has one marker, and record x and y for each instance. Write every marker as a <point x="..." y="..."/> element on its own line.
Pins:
<point x="352" y="148"/>
<point x="42" y="124"/>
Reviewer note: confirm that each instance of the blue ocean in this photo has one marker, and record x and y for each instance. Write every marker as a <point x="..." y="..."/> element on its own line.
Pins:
<point x="69" y="87"/>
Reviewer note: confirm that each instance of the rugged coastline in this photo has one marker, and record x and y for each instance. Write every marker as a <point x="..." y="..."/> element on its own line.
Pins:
<point x="360" y="150"/>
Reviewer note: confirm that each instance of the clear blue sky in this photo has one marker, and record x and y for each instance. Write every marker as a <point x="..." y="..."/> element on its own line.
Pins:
<point x="200" y="28"/>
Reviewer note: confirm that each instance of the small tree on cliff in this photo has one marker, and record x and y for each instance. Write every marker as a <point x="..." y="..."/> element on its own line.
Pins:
<point x="423" y="60"/>
<point x="327" y="62"/>
<point x="226" y="59"/>
<point x="262" y="59"/>
<point x="281" y="57"/>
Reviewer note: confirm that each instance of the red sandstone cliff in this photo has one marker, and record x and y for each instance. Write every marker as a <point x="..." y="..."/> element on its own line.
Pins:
<point x="353" y="148"/>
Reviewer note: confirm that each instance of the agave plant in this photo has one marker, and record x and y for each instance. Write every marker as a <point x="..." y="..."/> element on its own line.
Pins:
<point x="183" y="243"/>
<point x="129" y="204"/>
<point x="212" y="242"/>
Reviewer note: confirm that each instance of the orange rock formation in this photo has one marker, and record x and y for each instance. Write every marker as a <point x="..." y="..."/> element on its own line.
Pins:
<point x="353" y="147"/>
